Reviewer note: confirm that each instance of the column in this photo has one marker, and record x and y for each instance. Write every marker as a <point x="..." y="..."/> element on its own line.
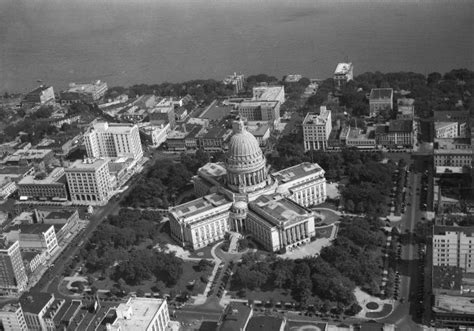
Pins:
<point x="283" y="237"/>
<point x="293" y="231"/>
<point x="303" y="230"/>
<point x="298" y="232"/>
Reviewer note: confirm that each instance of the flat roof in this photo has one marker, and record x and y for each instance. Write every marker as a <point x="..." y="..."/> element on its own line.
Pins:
<point x="34" y="228"/>
<point x="400" y="126"/>
<point x="405" y="102"/>
<point x="15" y="170"/>
<point x="34" y="302"/>
<point x="267" y="93"/>
<point x="442" y="229"/>
<point x="381" y="93"/>
<point x="298" y="171"/>
<point x="51" y="178"/>
<point x="32" y="153"/>
<point x="343" y="68"/>
<point x="453" y="304"/>
<point x="143" y="311"/>
<point x="87" y="164"/>
<point x="29" y="255"/>
<point x="258" y="130"/>
<point x="447" y="277"/>
<point x="439" y="125"/>
<point x="317" y="119"/>
<point x="264" y="323"/>
<point x="118" y="128"/>
<point x="235" y="316"/>
<point x="200" y="205"/>
<point x="216" y="132"/>
<point x="85" y="87"/>
<point x="280" y="209"/>
<point x="60" y="214"/>
<point x="258" y="103"/>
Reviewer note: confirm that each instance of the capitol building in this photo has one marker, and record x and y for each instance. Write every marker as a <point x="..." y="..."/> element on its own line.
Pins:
<point x="240" y="195"/>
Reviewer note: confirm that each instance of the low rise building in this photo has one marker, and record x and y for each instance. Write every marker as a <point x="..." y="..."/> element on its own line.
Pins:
<point x="39" y="96"/>
<point x="235" y="317"/>
<point x="35" y="236"/>
<point x="452" y="246"/>
<point x="317" y="129"/>
<point x="293" y="78"/>
<point x="261" y="131"/>
<point x="344" y="72"/>
<point x="363" y="139"/>
<point x="12" y="317"/>
<point x="140" y="314"/>
<point x="7" y="187"/>
<point x="453" y="311"/>
<point x="237" y="81"/>
<point x="24" y="157"/>
<point x="453" y="153"/>
<point x="214" y="139"/>
<point x="41" y="186"/>
<point x="396" y="133"/>
<point x="89" y="181"/>
<point x="33" y="259"/>
<point x="83" y="92"/>
<point x="380" y="100"/>
<point x="65" y="221"/>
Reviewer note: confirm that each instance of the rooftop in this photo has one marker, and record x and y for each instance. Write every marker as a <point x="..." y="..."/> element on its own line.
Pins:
<point x="280" y="209"/>
<point x="15" y="170"/>
<point x="298" y="171"/>
<point x="381" y="93"/>
<point x="258" y="103"/>
<point x="451" y="115"/>
<point x="453" y="304"/>
<point x="405" y="102"/>
<point x="117" y="128"/>
<point x="267" y="93"/>
<point x="87" y="164"/>
<point x="258" y="130"/>
<point x="32" y="153"/>
<point x="217" y="132"/>
<point x="235" y="317"/>
<point x="60" y="214"/>
<point x="51" y="178"/>
<point x="442" y="229"/>
<point x="213" y="169"/>
<point x="342" y="68"/>
<point x="314" y="118"/>
<point x="440" y="125"/>
<point x="29" y="255"/>
<point x="264" y="323"/>
<point x="143" y="311"/>
<point x="39" y="89"/>
<point x="34" y="302"/>
<point x="447" y="278"/>
<point x="200" y="205"/>
<point x="86" y="87"/>
<point x="36" y="228"/>
<point x="400" y="126"/>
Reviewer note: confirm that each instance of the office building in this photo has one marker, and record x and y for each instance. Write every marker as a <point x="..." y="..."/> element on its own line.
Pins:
<point x="453" y="246"/>
<point x="316" y="129"/>
<point x="405" y="109"/>
<point x="12" y="318"/>
<point x="214" y="139"/>
<point x="40" y="186"/>
<point x="344" y="72"/>
<point x="89" y="182"/>
<point x="34" y="306"/>
<point x="83" y="92"/>
<point x="140" y="314"/>
<point x="155" y="134"/>
<point x="254" y="110"/>
<point x="235" y="317"/>
<point x="380" y="101"/>
<point x="396" y="133"/>
<point x="13" y="279"/>
<point x="453" y="153"/>
<point x="240" y="195"/>
<point x="446" y="129"/>
<point x="237" y="81"/>
<point x="35" y="236"/>
<point x="39" y="96"/>
<point x="164" y="110"/>
<point x="113" y="140"/>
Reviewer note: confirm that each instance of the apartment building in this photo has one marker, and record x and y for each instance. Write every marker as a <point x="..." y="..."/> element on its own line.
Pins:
<point x="380" y="100"/>
<point x="13" y="279"/>
<point x="113" y="140"/>
<point x="83" y="92"/>
<point x="51" y="186"/>
<point x="453" y="246"/>
<point x="446" y="129"/>
<point x="89" y="182"/>
<point x="237" y="81"/>
<point x="344" y="72"/>
<point x="39" y="96"/>
<point x="316" y="129"/>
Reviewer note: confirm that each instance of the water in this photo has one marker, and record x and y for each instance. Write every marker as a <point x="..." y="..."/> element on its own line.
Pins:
<point x="128" y="42"/>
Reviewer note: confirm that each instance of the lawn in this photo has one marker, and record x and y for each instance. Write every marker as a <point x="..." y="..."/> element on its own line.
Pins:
<point x="190" y="274"/>
<point x="386" y="309"/>
<point x="277" y="295"/>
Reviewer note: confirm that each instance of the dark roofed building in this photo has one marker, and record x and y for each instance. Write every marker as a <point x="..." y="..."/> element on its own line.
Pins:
<point x="263" y="323"/>
<point x="447" y="280"/>
<point x="39" y="96"/>
<point x="396" y="133"/>
<point x="214" y="139"/>
<point x="380" y="99"/>
<point x="235" y="317"/>
<point x="400" y="126"/>
<point x="34" y="306"/>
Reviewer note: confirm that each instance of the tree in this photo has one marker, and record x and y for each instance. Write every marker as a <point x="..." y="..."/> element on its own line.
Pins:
<point x="204" y="264"/>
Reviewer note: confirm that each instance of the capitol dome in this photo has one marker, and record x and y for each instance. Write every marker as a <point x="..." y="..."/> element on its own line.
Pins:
<point x="245" y="162"/>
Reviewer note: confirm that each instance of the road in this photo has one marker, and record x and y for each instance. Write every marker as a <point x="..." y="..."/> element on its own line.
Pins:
<point x="404" y="315"/>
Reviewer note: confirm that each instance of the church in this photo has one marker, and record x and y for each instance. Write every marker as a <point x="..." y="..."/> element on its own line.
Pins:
<point x="240" y="195"/>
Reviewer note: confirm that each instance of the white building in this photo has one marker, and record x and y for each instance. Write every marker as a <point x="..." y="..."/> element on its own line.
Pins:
<point x="13" y="279"/>
<point x="113" y="140"/>
<point x="446" y="129"/>
<point x="12" y="318"/>
<point x="316" y="129"/>
<point x="89" y="182"/>
<point x="240" y="195"/>
<point x="269" y="93"/>
<point x="344" y="72"/>
<point x="156" y="134"/>
<point x="453" y="246"/>
<point x="380" y="100"/>
<point x="83" y="92"/>
<point x="254" y="110"/>
<point x="140" y="314"/>
<point x="7" y="187"/>
<point x="237" y="81"/>
<point x="35" y="306"/>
